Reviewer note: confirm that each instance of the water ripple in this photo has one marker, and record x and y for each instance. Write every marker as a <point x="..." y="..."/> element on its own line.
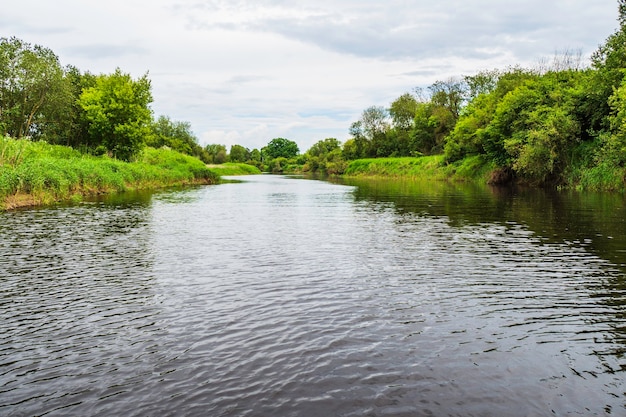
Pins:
<point x="291" y="298"/>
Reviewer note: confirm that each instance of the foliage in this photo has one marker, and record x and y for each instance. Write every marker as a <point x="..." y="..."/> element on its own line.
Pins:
<point x="325" y="157"/>
<point x="216" y="154"/>
<point x="280" y="148"/>
<point x="177" y="136"/>
<point x="239" y="154"/>
<point x="234" y="168"/>
<point x="33" y="91"/>
<point x="36" y="172"/>
<point x="118" y="111"/>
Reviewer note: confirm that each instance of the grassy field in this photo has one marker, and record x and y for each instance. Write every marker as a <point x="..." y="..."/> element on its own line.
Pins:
<point x="35" y="173"/>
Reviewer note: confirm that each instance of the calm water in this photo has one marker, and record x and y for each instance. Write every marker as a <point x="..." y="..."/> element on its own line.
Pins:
<point x="293" y="297"/>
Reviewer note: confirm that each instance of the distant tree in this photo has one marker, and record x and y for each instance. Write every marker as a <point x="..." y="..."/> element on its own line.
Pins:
<point x="449" y="94"/>
<point x="484" y="82"/>
<point x="217" y="153"/>
<point x="402" y="111"/>
<point x="375" y="122"/>
<point x="349" y="151"/>
<point x="362" y="145"/>
<point x="239" y="154"/>
<point x="281" y="147"/>
<point x="324" y="147"/>
<point x="173" y="134"/>
<point x="118" y="111"/>
<point x="255" y="155"/>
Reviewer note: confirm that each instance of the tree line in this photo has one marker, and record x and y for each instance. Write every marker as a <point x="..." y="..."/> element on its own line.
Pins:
<point x="545" y="125"/>
<point x="106" y="113"/>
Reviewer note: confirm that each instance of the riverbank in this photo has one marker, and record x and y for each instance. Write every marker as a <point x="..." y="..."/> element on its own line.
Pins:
<point x="426" y="167"/>
<point x="234" y="168"/>
<point x="36" y="173"/>
<point x="602" y="177"/>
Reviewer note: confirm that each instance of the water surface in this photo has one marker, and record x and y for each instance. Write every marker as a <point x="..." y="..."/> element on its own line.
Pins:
<point x="291" y="297"/>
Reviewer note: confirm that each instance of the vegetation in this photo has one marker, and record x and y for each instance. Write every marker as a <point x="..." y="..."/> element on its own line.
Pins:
<point x="426" y="167"/>
<point x="235" y="168"/>
<point x="106" y="113"/>
<point x="34" y="173"/>
<point x="561" y="124"/>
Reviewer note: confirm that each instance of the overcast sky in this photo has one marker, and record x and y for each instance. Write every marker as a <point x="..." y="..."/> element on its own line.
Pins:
<point x="244" y="72"/>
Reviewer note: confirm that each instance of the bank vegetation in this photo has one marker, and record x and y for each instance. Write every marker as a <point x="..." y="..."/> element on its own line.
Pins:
<point x="36" y="173"/>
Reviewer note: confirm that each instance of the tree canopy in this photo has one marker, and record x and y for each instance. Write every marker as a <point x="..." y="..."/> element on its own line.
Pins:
<point x="118" y="111"/>
<point x="281" y="147"/>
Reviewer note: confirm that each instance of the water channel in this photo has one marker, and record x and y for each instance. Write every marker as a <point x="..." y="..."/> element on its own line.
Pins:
<point x="280" y="296"/>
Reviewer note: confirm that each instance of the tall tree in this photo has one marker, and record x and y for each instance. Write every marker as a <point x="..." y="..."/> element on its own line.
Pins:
<point x="449" y="94"/>
<point x="402" y="111"/>
<point x="118" y="111"/>
<point x="239" y="153"/>
<point x="281" y="147"/>
<point x="32" y="88"/>
<point x="217" y="153"/>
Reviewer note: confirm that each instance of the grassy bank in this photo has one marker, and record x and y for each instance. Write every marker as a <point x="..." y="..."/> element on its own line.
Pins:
<point x="35" y="173"/>
<point x="425" y="167"/>
<point x="232" y="168"/>
<point x="601" y="177"/>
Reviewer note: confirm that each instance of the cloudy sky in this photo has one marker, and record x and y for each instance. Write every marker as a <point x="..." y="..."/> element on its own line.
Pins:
<point x="245" y="71"/>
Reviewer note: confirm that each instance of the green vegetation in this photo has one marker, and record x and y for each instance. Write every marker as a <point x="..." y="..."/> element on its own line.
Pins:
<point x="562" y="124"/>
<point x="425" y="167"/>
<point x="235" y="168"/>
<point x="98" y="114"/>
<point x="33" y="173"/>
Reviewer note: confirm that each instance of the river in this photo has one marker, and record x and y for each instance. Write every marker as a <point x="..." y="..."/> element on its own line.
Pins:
<point x="279" y="296"/>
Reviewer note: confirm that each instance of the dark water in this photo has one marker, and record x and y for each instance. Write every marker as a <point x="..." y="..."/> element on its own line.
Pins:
<point x="292" y="297"/>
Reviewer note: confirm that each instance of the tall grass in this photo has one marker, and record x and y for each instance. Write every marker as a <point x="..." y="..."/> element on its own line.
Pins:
<point x="37" y="173"/>
<point x="232" y="168"/>
<point x="427" y="166"/>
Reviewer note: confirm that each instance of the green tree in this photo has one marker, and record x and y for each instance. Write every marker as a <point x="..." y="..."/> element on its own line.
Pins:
<point x="118" y="111"/>
<point x="473" y="132"/>
<point x="325" y="156"/>
<point x="449" y="95"/>
<point x="239" y="154"/>
<point x="484" y="82"/>
<point x="176" y="135"/>
<point x="349" y="150"/>
<point x="402" y="111"/>
<point x="609" y="60"/>
<point x="33" y="91"/>
<point x="281" y="147"/>
<point x="73" y="127"/>
<point x="324" y="147"/>
<point x="217" y="153"/>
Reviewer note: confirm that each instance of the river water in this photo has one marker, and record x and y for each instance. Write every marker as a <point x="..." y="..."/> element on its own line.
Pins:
<point x="285" y="296"/>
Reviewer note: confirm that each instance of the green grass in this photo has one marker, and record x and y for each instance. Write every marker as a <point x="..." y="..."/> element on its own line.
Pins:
<point x="232" y="168"/>
<point x="602" y="177"/>
<point x="424" y="167"/>
<point x="33" y="173"/>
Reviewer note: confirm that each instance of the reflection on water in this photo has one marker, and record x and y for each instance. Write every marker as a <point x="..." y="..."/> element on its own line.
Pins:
<point x="280" y="296"/>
